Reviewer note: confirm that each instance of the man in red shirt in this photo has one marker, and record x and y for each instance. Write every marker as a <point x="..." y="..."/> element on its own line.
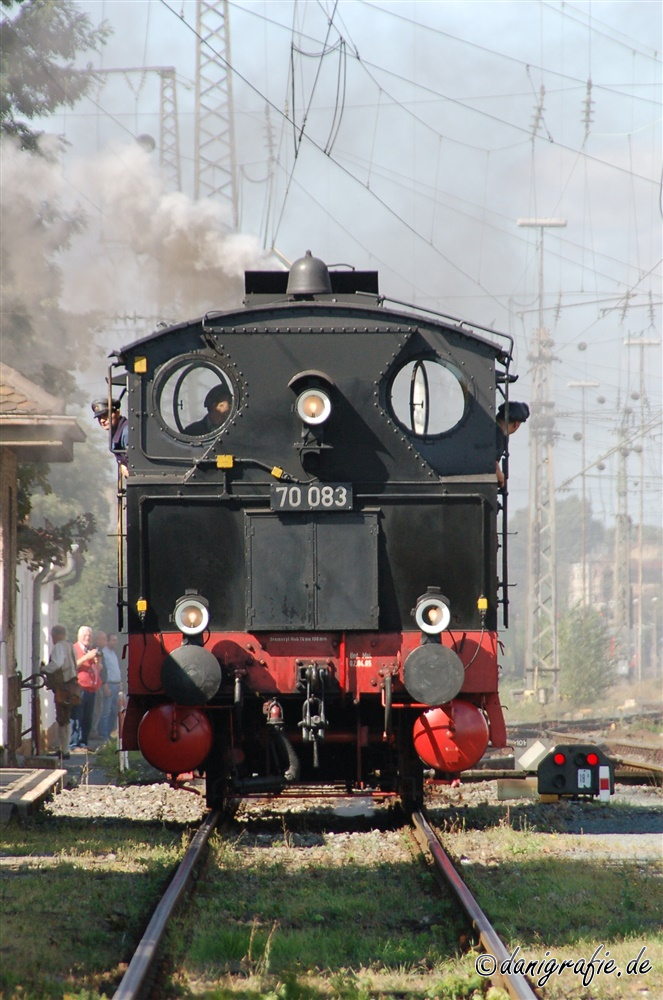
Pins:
<point x="89" y="678"/>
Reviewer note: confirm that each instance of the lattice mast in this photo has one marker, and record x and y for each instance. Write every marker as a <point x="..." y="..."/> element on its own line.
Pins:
<point x="169" y="139"/>
<point x="541" y="656"/>
<point x="622" y="560"/>
<point x="214" y="148"/>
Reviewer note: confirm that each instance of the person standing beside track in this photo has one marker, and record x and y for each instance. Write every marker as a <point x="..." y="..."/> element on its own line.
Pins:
<point x="110" y="687"/>
<point x="62" y="664"/>
<point x="89" y="678"/>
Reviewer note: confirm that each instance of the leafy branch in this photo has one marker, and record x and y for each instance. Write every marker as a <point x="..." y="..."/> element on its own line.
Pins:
<point x="51" y="545"/>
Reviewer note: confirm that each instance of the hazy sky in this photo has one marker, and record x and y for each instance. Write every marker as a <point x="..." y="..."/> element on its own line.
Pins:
<point x="424" y="131"/>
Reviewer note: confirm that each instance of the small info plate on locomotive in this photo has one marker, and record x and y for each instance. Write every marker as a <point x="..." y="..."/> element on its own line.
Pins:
<point x="311" y="496"/>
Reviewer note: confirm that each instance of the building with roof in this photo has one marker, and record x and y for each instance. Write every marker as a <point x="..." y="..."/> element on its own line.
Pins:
<point x="33" y="428"/>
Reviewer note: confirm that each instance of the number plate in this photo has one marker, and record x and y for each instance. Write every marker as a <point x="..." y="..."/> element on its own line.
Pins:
<point x="311" y="496"/>
<point x="584" y="777"/>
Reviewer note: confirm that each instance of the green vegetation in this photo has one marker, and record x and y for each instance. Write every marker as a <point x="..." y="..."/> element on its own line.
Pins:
<point x="614" y="701"/>
<point x="38" y="45"/>
<point x="554" y="893"/>
<point x="585" y="667"/>
<point x="353" y="922"/>
<point x="58" y="508"/>
<point x="77" y="895"/>
<point x="358" y="927"/>
<point x="139" y="772"/>
<point x="599" y="545"/>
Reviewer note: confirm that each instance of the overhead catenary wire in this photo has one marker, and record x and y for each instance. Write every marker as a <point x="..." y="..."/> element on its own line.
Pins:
<point x="389" y="208"/>
<point x="269" y="104"/>
<point x="315" y="145"/>
<point x="481" y="215"/>
<point x="452" y="207"/>
<point x="389" y="71"/>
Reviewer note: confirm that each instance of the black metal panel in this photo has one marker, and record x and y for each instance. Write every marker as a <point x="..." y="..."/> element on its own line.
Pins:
<point x="347" y="571"/>
<point x="279" y="583"/>
<point x="180" y="544"/>
<point x="311" y="571"/>
<point x="448" y="543"/>
<point x="360" y="351"/>
<point x="274" y="284"/>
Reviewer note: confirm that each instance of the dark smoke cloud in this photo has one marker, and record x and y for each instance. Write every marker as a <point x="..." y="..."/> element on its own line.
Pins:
<point x="89" y="239"/>
<point x="159" y="248"/>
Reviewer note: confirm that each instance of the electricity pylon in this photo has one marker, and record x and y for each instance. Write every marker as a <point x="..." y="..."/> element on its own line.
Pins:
<point x="214" y="150"/>
<point x="541" y="658"/>
<point x="169" y="138"/>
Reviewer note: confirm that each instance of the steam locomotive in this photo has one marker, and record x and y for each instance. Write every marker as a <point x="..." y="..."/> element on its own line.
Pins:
<point x="316" y="550"/>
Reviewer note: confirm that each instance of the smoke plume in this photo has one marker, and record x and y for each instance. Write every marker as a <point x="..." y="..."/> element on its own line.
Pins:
<point x="157" y="245"/>
<point x="89" y="241"/>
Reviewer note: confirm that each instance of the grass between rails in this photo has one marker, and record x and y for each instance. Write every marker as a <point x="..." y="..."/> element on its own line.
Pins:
<point x="75" y="897"/>
<point x="264" y="930"/>
<point x="286" y="928"/>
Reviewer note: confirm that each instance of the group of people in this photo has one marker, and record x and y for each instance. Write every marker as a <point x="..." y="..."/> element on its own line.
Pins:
<point x="86" y="680"/>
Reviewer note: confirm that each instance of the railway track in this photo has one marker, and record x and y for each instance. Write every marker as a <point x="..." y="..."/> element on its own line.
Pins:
<point x="647" y="713"/>
<point x="138" y="980"/>
<point x="515" y="984"/>
<point x="636" y="761"/>
<point x="145" y="957"/>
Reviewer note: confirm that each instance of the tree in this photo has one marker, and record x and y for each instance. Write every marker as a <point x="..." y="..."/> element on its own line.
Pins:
<point x="585" y="668"/>
<point x="40" y="42"/>
<point x="74" y="495"/>
<point x="39" y="46"/>
<point x="569" y="521"/>
<point x="39" y="338"/>
<point x="37" y="76"/>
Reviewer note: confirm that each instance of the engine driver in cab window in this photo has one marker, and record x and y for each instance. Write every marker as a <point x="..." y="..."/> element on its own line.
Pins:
<point x="218" y="402"/>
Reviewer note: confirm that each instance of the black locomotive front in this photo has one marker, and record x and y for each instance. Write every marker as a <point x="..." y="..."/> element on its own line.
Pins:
<point x="312" y="579"/>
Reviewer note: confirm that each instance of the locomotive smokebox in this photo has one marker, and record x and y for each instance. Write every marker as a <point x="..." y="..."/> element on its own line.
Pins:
<point x="433" y="674"/>
<point x="191" y="675"/>
<point x="452" y="738"/>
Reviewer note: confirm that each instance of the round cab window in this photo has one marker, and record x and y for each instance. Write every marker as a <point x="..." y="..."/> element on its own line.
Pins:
<point x="428" y="397"/>
<point x="194" y="398"/>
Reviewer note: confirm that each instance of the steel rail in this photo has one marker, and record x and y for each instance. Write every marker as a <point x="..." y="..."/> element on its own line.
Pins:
<point x="626" y="769"/>
<point x="515" y="984"/>
<point x="146" y="952"/>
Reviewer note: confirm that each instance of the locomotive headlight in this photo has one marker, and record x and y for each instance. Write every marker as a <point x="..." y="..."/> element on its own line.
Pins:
<point x="313" y="406"/>
<point x="432" y="613"/>
<point x="191" y="614"/>
<point x="314" y="390"/>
